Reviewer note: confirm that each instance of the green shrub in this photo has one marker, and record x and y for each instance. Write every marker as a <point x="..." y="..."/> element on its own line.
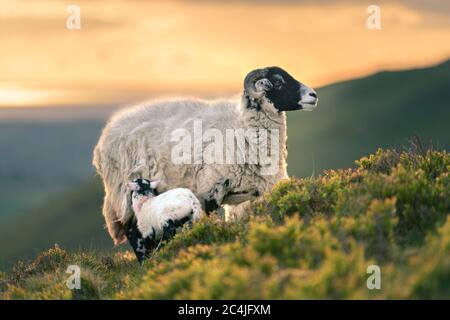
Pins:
<point x="308" y="238"/>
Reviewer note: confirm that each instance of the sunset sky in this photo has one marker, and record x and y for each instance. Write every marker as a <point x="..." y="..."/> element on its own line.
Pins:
<point x="129" y="50"/>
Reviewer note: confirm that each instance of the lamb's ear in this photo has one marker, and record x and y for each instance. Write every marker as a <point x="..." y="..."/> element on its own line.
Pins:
<point x="134" y="186"/>
<point x="155" y="184"/>
<point x="263" y="84"/>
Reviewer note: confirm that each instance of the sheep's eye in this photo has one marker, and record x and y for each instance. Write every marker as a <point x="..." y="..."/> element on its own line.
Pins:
<point x="277" y="81"/>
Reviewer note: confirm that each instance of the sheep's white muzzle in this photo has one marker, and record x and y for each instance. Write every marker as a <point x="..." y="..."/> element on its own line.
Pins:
<point x="306" y="106"/>
<point x="308" y="100"/>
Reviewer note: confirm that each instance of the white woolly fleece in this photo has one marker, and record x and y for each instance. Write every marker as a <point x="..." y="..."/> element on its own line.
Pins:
<point x="136" y="143"/>
<point x="155" y="212"/>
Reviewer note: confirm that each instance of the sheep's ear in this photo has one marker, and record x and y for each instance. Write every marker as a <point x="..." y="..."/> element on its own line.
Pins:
<point x="263" y="84"/>
<point x="134" y="186"/>
<point x="155" y="184"/>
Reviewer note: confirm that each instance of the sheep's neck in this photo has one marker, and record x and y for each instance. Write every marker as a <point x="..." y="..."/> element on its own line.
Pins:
<point x="256" y="116"/>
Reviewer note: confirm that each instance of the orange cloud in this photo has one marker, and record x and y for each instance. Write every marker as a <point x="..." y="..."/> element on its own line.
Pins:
<point x="128" y="50"/>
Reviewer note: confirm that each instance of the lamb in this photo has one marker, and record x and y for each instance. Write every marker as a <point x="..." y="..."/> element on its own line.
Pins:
<point x="145" y="141"/>
<point x="158" y="216"/>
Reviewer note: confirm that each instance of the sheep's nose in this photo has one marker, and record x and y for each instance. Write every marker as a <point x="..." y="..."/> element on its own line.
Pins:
<point x="313" y="94"/>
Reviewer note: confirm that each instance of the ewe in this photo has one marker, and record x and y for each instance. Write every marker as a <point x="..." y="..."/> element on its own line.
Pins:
<point x="139" y="142"/>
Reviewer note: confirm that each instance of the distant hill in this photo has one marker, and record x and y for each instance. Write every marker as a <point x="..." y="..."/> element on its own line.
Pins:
<point x="49" y="163"/>
<point x="356" y="117"/>
<point x="72" y="218"/>
<point x="40" y="158"/>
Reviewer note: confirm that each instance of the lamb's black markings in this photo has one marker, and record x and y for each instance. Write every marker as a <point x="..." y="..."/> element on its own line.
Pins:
<point x="143" y="247"/>
<point x="144" y="187"/>
<point x="170" y="229"/>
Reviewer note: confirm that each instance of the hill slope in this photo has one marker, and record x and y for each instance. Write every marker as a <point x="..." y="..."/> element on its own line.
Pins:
<point x="40" y="159"/>
<point x="309" y="238"/>
<point x="72" y="218"/>
<point x="357" y="117"/>
<point x="354" y="118"/>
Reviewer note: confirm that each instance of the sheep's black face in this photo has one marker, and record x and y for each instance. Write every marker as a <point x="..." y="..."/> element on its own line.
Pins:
<point x="275" y="86"/>
<point x="142" y="187"/>
<point x="287" y="93"/>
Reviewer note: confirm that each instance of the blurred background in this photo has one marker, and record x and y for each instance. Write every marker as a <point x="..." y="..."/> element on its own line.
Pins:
<point x="377" y="88"/>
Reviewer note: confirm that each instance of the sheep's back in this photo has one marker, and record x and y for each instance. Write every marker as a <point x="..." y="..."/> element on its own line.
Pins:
<point x="136" y="141"/>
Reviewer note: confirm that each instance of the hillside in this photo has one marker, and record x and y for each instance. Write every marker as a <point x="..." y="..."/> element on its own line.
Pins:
<point x="50" y="161"/>
<point x="357" y="117"/>
<point x="308" y="238"/>
<point x="72" y="218"/>
<point x="41" y="159"/>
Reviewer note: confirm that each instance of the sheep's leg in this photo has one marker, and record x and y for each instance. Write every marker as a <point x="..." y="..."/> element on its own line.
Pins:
<point x="237" y="212"/>
<point x="115" y="228"/>
<point x="238" y="198"/>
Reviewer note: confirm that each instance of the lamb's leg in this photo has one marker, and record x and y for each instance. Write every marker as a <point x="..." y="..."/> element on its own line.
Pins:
<point x="115" y="228"/>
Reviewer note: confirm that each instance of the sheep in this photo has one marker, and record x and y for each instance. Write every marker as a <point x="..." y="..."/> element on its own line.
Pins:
<point x="144" y="140"/>
<point x="158" y="216"/>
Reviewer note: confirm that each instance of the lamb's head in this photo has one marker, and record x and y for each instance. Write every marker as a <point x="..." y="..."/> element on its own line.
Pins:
<point x="141" y="191"/>
<point x="273" y="89"/>
<point x="143" y="188"/>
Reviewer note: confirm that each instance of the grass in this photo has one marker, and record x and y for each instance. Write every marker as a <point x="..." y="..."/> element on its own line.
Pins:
<point x="308" y="238"/>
